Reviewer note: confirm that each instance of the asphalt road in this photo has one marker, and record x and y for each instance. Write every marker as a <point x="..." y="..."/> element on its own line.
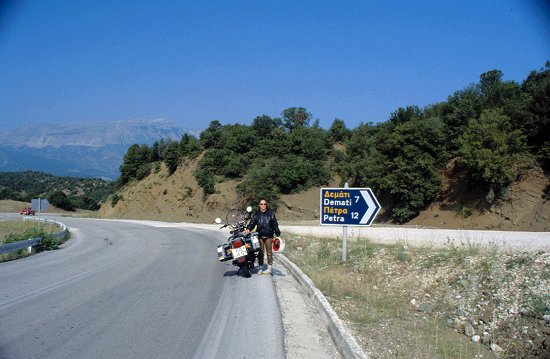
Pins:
<point x="126" y="290"/>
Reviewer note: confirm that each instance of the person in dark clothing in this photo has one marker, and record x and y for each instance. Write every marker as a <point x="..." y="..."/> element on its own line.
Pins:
<point x="267" y="227"/>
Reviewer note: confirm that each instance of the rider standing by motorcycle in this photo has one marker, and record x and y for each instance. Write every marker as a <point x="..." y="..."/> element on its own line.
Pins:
<point x="268" y="228"/>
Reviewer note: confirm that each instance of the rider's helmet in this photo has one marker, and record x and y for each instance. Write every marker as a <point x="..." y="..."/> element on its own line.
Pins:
<point x="278" y="245"/>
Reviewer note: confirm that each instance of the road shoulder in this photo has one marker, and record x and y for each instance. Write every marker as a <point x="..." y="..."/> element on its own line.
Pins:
<point x="305" y="334"/>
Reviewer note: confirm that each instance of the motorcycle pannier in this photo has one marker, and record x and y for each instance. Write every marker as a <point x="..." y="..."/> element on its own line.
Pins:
<point x="255" y="242"/>
<point x="223" y="252"/>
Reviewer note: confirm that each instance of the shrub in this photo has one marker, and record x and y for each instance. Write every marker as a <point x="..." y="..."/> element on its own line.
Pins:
<point x="115" y="198"/>
<point x="490" y="148"/>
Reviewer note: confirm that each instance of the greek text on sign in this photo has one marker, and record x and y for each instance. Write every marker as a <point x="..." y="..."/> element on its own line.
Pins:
<point x="348" y="206"/>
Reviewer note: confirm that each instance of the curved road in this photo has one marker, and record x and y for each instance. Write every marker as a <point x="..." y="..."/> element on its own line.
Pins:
<point x="126" y="290"/>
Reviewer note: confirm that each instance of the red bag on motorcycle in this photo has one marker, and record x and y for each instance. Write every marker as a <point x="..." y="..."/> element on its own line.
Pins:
<point x="278" y="245"/>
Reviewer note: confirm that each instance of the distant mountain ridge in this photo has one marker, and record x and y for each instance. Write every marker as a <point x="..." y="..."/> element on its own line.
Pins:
<point x="87" y="149"/>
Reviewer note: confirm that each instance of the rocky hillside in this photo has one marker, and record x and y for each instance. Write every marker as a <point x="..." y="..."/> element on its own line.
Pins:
<point x="526" y="206"/>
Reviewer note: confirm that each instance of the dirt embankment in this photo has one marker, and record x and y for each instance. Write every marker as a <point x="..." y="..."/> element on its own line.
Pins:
<point x="178" y="198"/>
<point x="524" y="207"/>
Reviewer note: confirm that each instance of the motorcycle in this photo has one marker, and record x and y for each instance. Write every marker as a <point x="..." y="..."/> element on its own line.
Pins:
<point x="242" y="248"/>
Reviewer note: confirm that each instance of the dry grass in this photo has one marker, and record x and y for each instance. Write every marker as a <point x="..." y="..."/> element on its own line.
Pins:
<point x="419" y="302"/>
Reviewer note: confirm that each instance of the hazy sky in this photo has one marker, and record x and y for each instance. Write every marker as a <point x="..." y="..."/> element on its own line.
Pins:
<point x="197" y="61"/>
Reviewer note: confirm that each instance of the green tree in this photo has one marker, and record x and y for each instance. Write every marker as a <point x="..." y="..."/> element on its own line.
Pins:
<point x="537" y="117"/>
<point x="338" y="131"/>
<point x="206" y="170"/>
<point x="264" y="126"/>
<point x="237" y="138"/>
<point x="365" y="164"/>
<point x="156" y="151"/>
<point x="273" y="144"/>
<point x="211" y="136"/>
<point x="459" y="109"/>
<point x="543" y="156"/>
<point x="190" y="146"/>
<point x="294" y="117"/>
<point x="293" y="173"/>
<point x="490" y="148"/>
<point x="259" y="182"/>
<point x="172" y="156"/>
<point x="399" y="160"/>
<point x="60" y="200"/>
<point x="411" y="176"/>
<point x="506" y="95"/>
<point x="86" y="202"/>
<point x="273" y="176"/>
<point x="309" y="142"/>
<point x="136" y="158"/>
<point x="403" y="115"/>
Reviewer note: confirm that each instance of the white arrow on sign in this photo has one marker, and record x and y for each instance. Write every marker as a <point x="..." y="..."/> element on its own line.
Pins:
<point x="373" y="207"/>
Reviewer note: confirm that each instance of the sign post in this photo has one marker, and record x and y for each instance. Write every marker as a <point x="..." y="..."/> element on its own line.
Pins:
<point x="39" y="204"/>
<point x="345" y="236"/>
<point x="348" y="207"/>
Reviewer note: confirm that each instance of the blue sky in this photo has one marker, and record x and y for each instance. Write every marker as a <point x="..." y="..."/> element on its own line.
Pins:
<point x="197" y="61"/>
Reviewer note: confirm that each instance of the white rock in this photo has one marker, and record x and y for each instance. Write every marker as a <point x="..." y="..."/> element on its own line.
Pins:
<point x="476" y="338"/>
<point x="495" y="348"/>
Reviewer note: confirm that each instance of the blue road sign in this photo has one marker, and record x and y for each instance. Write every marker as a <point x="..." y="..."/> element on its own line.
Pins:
<point x="348" y="206"/>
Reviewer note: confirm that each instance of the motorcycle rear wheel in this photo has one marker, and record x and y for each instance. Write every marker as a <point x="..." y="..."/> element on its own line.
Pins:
<point x="246" y="270"/>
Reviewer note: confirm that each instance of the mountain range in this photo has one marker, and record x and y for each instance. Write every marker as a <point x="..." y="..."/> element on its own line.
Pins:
<point x="87" y="149"/>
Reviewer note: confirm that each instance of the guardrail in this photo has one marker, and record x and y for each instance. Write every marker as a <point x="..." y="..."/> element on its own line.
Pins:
<point x="31" y="242"/>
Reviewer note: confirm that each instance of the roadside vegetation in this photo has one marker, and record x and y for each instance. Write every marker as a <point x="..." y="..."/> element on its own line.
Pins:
<point x="492" y="131"/>
<point x="68" y="193"/>
<point x="14" y="231"/>
<point x="460" y="301"/>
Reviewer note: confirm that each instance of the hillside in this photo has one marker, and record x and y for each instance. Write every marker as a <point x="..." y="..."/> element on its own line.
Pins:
<point x="11" y="206"/>
<point x="178" y="198"/>
<point x="91" y="149"/>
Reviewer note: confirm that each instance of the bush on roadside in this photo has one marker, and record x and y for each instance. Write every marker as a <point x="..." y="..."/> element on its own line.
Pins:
<point x="48" y="241"/>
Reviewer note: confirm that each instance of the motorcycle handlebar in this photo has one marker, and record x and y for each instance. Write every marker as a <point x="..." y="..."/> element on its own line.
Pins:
<point x="235" y="225"/>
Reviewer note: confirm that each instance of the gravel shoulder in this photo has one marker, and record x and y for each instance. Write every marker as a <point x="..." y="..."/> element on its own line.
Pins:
<point x="306" y="336"/>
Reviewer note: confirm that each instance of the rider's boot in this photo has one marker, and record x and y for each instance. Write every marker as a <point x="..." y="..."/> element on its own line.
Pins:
<point x="261" y="269"/>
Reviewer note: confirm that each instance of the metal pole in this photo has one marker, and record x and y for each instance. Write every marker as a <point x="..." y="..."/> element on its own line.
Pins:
<point x="344" y="235"/>
<point x="344" y="240"/>
<point x="39" y="208"/>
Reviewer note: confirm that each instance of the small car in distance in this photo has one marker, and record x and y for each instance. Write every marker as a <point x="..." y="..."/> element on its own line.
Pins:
<point x="27" y="211"/>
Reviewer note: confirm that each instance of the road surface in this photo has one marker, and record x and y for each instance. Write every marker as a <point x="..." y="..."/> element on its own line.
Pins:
<point x="126" y="290"/>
